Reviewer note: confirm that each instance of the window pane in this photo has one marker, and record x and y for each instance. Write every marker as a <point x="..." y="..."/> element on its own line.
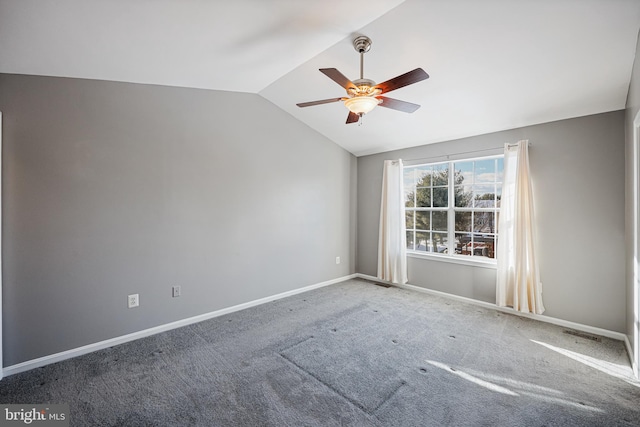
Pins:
<point x="463" y="221"/>
<point x="484" y="246"/>
<point x="423" y="197"/>
<point x="409" y="215"/>
<point x="439" y="219"/>
<point x="423" y="176"/>
<point x="484" y="196"/>
<point x="498" y="194"/>
<point x="463" y="244"/>
<point x="441" y="174"/>
<point x="500" y="171"/>
<point x="423" y="220"/>
<point x="408" y="178"/>
<point x="409" y="201"/>
<point x="484" y="222"/>
<point x="440" y="197"/>
<point x="410" y="240"/>
<point x="485" y="171"/>
<point x="464" y="173"/>
<point x="463" y="196"/>
<point x="439" y="242"/>
<point x="422" y="241"/>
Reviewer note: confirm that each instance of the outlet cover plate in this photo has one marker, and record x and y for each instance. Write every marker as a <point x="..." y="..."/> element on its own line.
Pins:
<point x="133" y="300"/>
<point x="176" y="291"/>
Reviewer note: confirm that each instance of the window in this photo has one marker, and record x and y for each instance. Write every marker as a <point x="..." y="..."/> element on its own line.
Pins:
<point x="452" y="208"/>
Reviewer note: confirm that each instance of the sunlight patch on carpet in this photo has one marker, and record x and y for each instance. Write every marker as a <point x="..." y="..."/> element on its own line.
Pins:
<point x="499" y="389"/>
<point x="619" y="371"/>
<point x="471" y="378"/>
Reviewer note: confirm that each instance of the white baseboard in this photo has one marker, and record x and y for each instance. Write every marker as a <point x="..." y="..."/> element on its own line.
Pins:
<point x="560" y="322"/>
<point x="68" y="354"/>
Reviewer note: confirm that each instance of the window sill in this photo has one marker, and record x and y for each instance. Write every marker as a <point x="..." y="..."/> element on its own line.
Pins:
<point x="475" y="262"/>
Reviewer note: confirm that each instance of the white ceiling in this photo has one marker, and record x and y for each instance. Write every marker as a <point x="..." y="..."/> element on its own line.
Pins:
<point x="494" y="64"/>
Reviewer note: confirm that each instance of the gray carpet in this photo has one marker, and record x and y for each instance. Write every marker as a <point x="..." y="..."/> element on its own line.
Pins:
<point x="351" y="354"/>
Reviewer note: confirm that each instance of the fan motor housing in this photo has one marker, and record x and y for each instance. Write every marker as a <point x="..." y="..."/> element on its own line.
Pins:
<point x="363" y="87"/>
<point x="364" y="82"/>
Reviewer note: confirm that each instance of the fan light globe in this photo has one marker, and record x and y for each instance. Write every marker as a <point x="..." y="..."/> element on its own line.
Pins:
<point x="361" y="104"/>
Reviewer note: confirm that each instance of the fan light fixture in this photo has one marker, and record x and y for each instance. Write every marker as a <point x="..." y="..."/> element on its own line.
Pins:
<point x="361" y="104"/>
<point x="363" y="95"/>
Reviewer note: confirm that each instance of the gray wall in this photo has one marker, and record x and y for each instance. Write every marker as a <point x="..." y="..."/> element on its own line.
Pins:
<point x="632" y="108"/>
<point x="111" y="189"/>
<point x="578" y="178"/>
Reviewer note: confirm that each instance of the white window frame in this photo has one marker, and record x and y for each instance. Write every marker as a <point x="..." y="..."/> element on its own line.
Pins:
<point x="451" y="256"/>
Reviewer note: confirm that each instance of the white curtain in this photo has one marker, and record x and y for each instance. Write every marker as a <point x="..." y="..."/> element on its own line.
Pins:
<point x="392" y="241"/>
<point x="518" y="279"/>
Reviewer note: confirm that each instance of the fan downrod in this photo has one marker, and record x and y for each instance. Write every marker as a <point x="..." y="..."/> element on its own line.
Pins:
<point x="362" y="44"/>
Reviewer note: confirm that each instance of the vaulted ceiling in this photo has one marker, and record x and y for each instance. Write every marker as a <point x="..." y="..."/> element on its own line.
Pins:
<point x="493" y="64"/>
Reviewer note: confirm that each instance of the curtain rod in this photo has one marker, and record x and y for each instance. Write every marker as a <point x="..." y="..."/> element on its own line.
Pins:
<point x="463" y="152"/>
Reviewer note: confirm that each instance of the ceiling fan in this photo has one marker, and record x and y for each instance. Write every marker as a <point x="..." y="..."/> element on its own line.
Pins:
<point x="364" y="94"/>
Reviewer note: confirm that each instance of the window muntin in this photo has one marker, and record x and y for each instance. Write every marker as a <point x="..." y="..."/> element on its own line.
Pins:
<point x="454" y="214"/>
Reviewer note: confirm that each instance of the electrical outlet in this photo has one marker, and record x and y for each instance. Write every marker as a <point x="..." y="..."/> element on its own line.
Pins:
<point x="175" y="291"/>
<point x="337" y="260"/>
<point x="133" y="300"/>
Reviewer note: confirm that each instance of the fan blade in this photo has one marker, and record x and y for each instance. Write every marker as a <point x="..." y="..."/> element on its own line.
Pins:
<point x="403" y="80"/>
<point x="324" y="101"/>
<point x="396" y="104"/>
<point x="338" y="77"/>
<point x="352" y="118"/>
